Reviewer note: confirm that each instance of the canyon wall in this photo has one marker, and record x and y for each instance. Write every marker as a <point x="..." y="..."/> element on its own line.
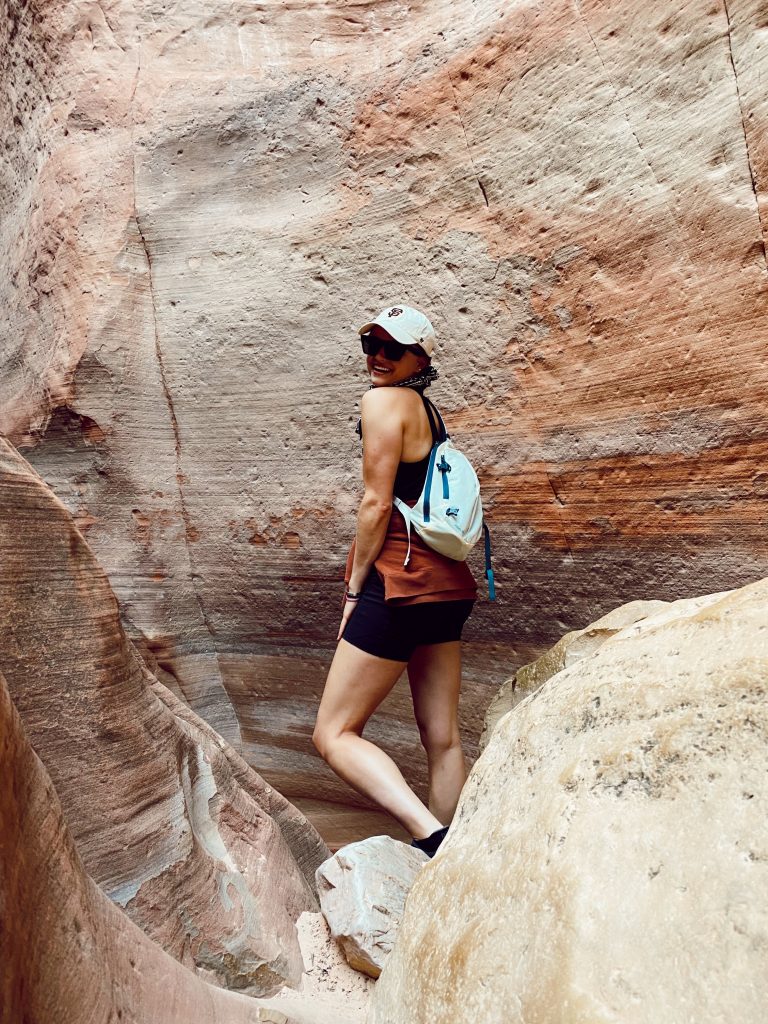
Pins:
<point x="201" y="202"/>
<point x="68" y="953"/>
<point x="204" y="856"/>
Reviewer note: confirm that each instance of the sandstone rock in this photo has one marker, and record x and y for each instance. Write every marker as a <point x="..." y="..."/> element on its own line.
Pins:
<point x="574" y="646"/>
<point x="362" y="891"/>
<point x="345" y="825"/>
<point x="69" y="955"/>
<point x="198" y="208"/>
<point x="175" y="827"/>
<point x="609" y="858"/>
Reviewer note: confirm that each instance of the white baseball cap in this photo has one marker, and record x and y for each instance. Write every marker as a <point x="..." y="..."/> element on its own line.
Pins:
<point x="406" y="325"/>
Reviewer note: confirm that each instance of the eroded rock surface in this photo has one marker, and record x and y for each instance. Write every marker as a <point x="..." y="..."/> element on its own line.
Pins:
<point x="198" y="208"/>
<point x="177" y="829"/>
<point x="362" y="891"/>
<point x="609" y="858"/>
<point x="574" y="646"/>
<point x="69" y="955"/>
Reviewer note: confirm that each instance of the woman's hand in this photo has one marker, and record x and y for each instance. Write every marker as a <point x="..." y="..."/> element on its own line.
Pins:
<point x="348" y="608"/>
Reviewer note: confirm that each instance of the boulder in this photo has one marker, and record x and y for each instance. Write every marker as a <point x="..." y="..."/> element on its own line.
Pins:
<point x="178" y="830"/>
<point x="574" y="646"/>
<point x="609" y="857"/>
<point x="362" y="892"/>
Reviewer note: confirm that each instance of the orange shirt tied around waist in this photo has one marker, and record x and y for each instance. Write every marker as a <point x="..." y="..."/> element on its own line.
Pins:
<point x="429" y="576"/>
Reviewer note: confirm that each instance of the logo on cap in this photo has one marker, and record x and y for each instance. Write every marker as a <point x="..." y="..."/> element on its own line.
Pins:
<point x="396" y="311"/>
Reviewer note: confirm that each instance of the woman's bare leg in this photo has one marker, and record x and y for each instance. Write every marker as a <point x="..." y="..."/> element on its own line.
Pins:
<point x="357" y="683"/>
<point x="434" y="673"/>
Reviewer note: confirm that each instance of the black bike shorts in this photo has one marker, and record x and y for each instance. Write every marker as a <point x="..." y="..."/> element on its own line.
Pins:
<point x="395" y="631"/>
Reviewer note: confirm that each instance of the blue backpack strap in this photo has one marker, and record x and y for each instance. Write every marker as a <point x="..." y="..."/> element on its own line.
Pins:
<point x="488" y="567"/>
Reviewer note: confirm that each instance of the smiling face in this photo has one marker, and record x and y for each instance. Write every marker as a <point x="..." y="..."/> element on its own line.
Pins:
<point x="385" y="371"/>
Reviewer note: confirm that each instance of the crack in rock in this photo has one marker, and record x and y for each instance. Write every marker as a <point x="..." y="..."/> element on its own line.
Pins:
<point x="189" y="531"/>
<point x="466" y="141"/>
<point x="744" y="132"/>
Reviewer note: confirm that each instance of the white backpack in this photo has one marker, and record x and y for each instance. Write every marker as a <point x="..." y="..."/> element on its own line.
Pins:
<point x="449" y="514"/>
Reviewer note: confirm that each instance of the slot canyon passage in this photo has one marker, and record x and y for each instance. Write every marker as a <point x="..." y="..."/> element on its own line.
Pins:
<point x="200" y="204"/>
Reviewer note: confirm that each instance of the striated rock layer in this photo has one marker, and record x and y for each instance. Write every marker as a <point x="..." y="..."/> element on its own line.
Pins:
<point x="199" y="205"/>
<point x="177" y="829"/>
<point x="609" y="859"/>
<point x="68" y="954"/>
<point x="71" y="956"/>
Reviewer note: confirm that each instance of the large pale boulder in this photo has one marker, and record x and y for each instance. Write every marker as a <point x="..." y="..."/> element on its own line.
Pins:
<point x="178" y="830"/>
<point x="609" y="858"/>
<point x="200" y="203"/>
<point x="362" y="891"/>
<point x="574" y="646"/>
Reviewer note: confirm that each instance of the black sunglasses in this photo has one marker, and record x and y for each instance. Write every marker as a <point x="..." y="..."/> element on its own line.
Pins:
<point x="393" y="350"/>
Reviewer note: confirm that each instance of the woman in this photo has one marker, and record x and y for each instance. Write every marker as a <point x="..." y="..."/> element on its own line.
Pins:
<point x="396" y="615"/>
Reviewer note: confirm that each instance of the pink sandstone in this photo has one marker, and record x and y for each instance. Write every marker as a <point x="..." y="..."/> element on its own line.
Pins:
<point x="201" y="203"/>
<point x="175" y="827"/>
<point x="69" y="955"/>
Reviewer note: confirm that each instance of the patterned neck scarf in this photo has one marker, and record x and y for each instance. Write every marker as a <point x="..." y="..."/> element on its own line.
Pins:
<point x="419" y="382"/>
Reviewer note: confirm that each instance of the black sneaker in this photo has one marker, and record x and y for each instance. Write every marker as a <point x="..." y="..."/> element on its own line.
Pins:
<point x="430" y="844"/>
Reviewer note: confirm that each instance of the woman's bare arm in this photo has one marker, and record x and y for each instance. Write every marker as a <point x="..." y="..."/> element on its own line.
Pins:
<point x="383" y="420"/>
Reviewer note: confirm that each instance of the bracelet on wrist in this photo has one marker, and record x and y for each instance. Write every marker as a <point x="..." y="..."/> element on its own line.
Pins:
<point x="349" y="596"/>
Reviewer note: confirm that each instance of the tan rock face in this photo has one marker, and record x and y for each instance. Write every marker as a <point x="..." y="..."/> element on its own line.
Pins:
<point x="362" y="891"/>
<point x="198" y="209"/>
<point x="574" y="646"/>
<point x="609" y="860"/>
<point x="177" y="829"/>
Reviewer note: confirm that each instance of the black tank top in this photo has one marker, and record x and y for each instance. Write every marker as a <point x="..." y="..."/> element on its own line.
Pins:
<point x="410" y="476"/>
